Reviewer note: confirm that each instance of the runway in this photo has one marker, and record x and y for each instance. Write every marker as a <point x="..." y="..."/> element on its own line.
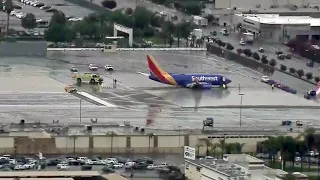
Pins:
<point x="33" y="89"/>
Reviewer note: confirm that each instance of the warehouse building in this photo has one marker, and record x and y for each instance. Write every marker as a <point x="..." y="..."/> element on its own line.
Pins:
<point x="280" y="29"/>
<point x="233" y="166"/>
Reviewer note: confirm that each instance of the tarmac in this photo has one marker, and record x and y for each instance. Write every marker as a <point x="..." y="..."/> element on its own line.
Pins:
<point x="139" y="100"/>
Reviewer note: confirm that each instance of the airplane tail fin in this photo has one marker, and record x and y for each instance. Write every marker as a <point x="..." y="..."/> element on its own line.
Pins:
<point x="155" y="69"/>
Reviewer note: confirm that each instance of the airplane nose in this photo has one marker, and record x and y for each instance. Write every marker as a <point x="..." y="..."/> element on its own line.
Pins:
<point x="227" y="81"/>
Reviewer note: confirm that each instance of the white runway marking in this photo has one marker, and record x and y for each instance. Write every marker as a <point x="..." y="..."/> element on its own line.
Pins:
<point x="145" y="74"/>
<point x="96" y="99"/>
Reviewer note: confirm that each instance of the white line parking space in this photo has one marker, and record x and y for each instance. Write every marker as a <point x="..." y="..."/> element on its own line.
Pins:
<point x="96" y="99"/>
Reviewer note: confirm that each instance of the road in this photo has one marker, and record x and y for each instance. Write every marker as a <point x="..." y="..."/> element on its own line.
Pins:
<point x="296" y="61"/>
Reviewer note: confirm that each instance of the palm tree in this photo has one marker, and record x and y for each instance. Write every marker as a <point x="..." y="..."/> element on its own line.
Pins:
<point x="111" y="134"/>
<point x="8" y="7"/>
<point x="271" y="145"/>
<point x="150" y="137"/>
<point x="289" y="150"/>
<point x="301" y="149"/>
<point x="238" y="147"/>
<point x="193" y="39"/>
<point x="309" y="138"/>
<point x="222" y="146"/>
<point x="207" y="143"/>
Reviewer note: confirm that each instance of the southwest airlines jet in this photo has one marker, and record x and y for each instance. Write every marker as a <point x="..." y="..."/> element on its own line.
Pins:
<point x="193" y="81"/>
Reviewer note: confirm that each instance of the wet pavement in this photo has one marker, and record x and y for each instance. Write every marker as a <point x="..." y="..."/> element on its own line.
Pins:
<point x="140" y="100"/>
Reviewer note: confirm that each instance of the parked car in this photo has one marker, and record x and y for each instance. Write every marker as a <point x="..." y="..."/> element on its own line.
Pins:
<point x="242" y="42"/>
<point x="140" y="166"/>
<point x="118" y="165"/>
<point x="288" y="56"/>
<point x="281" y="56"/>
<point x="145" y="160"/>
<point x="107" y="169"/>
<point x="261" y="50"/>
<point x="111" y="160"/>
<point x="86" y="167"/>
<point x="64" y="167"/>
<point x="129" y="165"/>
<point x="264" y="79"/>
<point x="278" y="52"/>
<point x="152" y="166"/>
<point x="310" y="64"/>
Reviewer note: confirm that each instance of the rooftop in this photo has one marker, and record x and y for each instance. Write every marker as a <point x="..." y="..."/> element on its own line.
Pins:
<point x="277" y="19"/>
<point x="240" y="165"/>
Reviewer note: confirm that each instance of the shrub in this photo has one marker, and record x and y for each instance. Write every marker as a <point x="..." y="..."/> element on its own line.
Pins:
<point x="247" y="52"/>
<point x="264" y="57"/>
<point x="109" y="4"/>
<point x="240" y="51"/>
<point x="229" y="46"/>
<point x="283" y="67"/>
<point x="129" y="11"/>
<point x="265" y="61"/>
<point x="316" y="79"/>
<point x="222" y="44"/>
<point x="218" y="42"/>
<point x="309" y="75"/>
<point x="292" y="70"/>
<point x="256" y="56"/>
<point x="272" y="62"/>
<point x="300" y="72"/>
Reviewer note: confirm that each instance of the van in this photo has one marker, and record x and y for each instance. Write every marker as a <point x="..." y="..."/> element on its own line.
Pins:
<point x="129" y="165"/>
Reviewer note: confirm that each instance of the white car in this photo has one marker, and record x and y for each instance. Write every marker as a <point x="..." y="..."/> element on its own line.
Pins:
<point x="45" y="7"/>
<point x="163" y="13"/>
<point x="163" y="165"/>
<point x="264" y="79"/>
<point x="93" y="67"/>
<point x="30" y="165"/>
<point x="82" y="159"/>
<point x="64" y="167"/>
<point x="152" y="166"/>
<point x="108" y="67"/>
<point x="118" y="165"/>
<point x="61" y="164"/>
<point x="111" y="161"/>
<point x="89" y="162"/>
<point x="19" y="167"/>
<point x="242" y="43"/>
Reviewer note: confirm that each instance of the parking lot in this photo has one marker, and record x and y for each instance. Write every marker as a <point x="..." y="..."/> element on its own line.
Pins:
<point x="296" y="61"/>
<point x="70" y="10"/>
<point x="139" y="166"/>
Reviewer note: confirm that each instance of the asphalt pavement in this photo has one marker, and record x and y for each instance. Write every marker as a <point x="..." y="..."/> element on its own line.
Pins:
<point x="296" y="61"/>
<point x="33" y="89"/>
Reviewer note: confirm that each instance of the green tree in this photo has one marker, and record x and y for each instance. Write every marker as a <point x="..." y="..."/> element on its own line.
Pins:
<point x="86" y="28"/>
<point x="29" y="22"/>
<point x="129" y="11"/>
<point x="59" y="33"/>
<point x="141" y="17"/>
<point x="8" y="7"/>
<point x="186" y="28"/>
<point x="192" y="7"/>
<point x="271" y="146"/>
<point x="58" y="17"/>
<point x="119" y="17"/>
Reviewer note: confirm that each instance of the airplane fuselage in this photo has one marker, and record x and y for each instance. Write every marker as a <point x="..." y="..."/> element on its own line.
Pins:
<point x="187" y="80"/>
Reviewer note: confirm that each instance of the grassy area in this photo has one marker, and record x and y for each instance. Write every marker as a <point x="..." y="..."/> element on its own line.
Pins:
<point x="155" y="39"/>
<point x="296" y="168"/>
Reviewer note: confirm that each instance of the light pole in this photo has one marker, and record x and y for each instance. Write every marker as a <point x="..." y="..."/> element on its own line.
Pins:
<point x="80" y="110"/>
<point x="240" y="94"/>
<point x="179" y="137"/>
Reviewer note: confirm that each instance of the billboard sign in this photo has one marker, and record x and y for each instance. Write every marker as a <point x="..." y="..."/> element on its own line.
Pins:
<point x="189" y="153"/>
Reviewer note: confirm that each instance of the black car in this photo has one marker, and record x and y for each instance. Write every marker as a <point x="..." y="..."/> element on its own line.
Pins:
<point x="288" y="56"/>
<point x="278" y="52"/>
<point x="281" y="56"/>
<point x="52" y="10"/>
<point x="286" y="123"/>
<point x="140" y="166"/>
<point x="86" y="168"/>
<point x="15" y="6"/>
<point x="310" y="64"/>
<point x="145" y="160"/>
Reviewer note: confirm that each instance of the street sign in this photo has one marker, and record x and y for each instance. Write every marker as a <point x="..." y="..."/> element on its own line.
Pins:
<point x="189" y="153"/>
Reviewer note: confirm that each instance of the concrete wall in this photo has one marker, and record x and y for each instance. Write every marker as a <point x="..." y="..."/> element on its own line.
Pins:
<point x="240" y="59"/>
<point x="24" y="48"/>
<point x="117" y="144"/>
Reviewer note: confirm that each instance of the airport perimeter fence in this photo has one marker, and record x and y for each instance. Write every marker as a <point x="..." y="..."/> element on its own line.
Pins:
<point x="240" y="59"/>
<point x="23" y="49"/>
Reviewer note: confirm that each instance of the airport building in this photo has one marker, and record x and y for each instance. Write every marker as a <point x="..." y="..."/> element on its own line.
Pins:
<point x="233" y="166"/>
<point x="279" y="29"/>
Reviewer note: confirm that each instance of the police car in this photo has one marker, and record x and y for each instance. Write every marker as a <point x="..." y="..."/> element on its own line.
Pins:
<point x="93" y="67"/>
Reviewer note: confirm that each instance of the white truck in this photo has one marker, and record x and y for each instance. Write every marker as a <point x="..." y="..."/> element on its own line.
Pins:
<point x="248" y="37"/>
<point x="200" y="21"/>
